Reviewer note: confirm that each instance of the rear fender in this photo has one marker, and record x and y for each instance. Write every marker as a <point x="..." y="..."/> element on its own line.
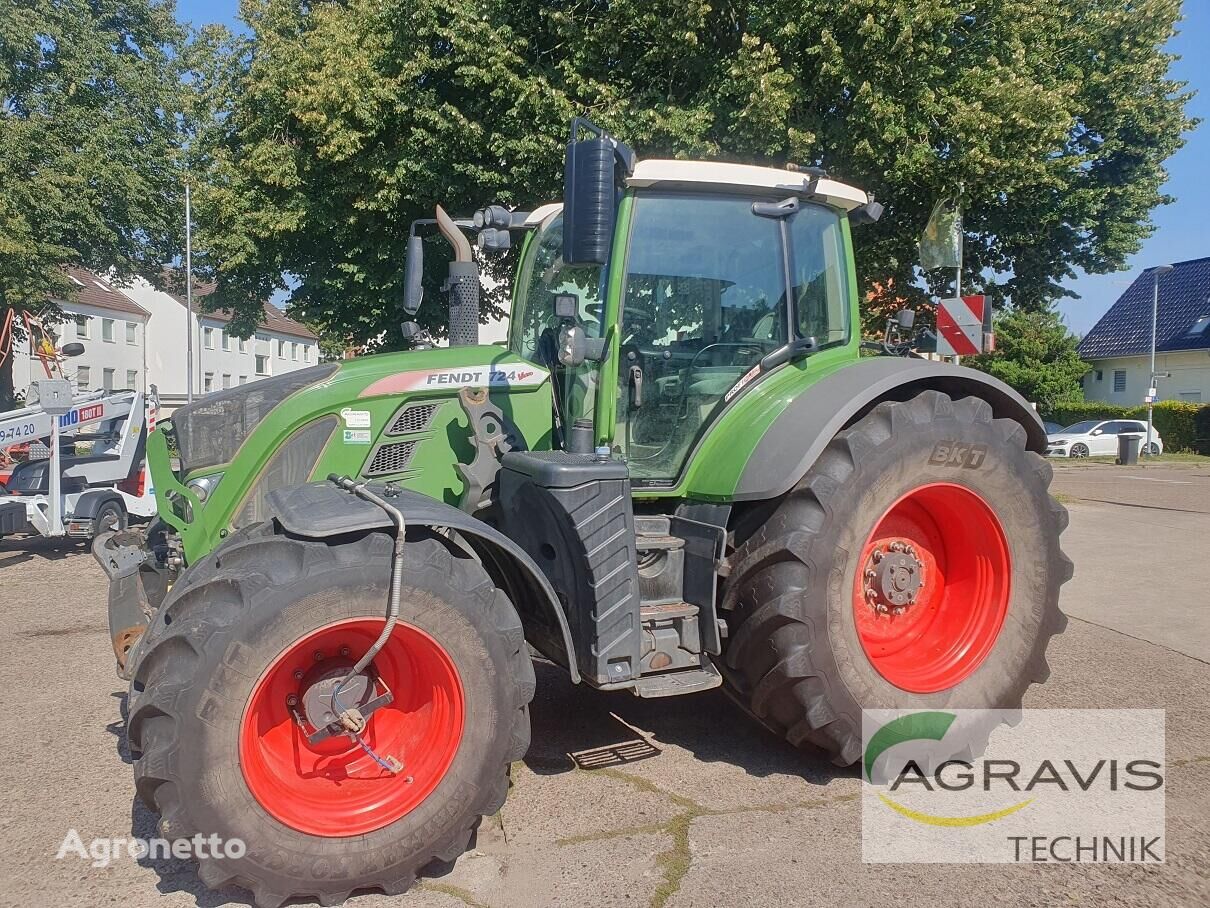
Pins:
<point x="320" y="510"/>
<point x="796" y="438"/>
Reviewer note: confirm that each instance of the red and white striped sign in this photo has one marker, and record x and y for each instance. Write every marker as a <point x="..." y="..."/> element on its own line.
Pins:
<point x="960" y="326"/>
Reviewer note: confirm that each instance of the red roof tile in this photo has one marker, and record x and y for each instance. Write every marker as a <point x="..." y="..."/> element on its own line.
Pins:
<point x="93" y="290"/>
<point x="274" y="319"/>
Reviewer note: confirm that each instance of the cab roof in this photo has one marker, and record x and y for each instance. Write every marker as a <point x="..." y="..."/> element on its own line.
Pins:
<point x="657" y="172"/>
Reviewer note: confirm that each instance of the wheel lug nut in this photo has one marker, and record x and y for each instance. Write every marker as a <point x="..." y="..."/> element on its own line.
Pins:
<point x="319" y="657"/>
<point x="344" y="651"/>
<point x="870" y="575"/>
<point x="291" y="700"/>
<point x="298" y="674"/>
<point x="876" y="555"/>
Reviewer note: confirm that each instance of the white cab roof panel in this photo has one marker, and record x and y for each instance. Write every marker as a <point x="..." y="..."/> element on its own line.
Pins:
<point x="739" y="176"/>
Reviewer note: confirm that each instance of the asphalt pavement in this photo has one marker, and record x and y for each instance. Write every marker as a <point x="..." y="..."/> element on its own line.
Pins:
<point x="628" y="802"/>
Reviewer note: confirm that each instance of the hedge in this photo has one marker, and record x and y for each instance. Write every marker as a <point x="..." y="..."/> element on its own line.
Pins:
<point x="1180" y="424"/>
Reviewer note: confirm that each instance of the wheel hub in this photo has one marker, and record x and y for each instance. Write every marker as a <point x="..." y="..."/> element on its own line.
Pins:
<point x="893" y="578"/>
<point x="316" y="696"/>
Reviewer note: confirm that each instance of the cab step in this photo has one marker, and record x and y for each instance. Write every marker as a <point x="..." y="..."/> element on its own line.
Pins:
<point x="673" y="684"/>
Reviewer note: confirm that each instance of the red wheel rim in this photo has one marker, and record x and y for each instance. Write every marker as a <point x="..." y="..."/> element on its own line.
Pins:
<point x="930" y="637"/>
<point x="334" y="788"/>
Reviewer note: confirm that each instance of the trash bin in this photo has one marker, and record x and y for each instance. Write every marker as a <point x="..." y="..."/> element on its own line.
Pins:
<point x="1128" y="447"/>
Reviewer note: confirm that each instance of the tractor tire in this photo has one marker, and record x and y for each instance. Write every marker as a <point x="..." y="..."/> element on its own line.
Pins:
<point x="216" y="739"/>
<point x="818" y="631"/>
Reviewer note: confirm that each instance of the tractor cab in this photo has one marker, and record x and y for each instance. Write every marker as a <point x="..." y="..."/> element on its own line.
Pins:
<point x="704" y="278"/>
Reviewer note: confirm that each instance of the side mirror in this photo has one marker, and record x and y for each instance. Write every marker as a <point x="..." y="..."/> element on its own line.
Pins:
<point x="71" y="349"/>
<point x="1098" y="431"/>
<point x="589" y="193"/>
<point x="413" y="275"/>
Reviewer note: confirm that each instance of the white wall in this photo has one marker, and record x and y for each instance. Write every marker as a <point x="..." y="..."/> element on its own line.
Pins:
<point x="1190" y="378"/>
<point x="166" y="350"/>
<point x="118" y="355"/>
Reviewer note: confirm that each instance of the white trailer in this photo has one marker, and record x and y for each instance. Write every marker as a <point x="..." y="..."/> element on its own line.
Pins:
<point x="80" y="496"/>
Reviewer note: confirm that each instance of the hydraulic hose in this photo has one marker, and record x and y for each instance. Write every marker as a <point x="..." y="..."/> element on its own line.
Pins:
<point x="361" y="491"/>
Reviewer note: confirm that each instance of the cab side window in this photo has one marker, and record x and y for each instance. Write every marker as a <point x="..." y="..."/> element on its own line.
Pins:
<point x="820" y="275"/>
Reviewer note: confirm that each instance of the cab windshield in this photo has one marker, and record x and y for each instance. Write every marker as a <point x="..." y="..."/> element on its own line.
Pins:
<point x="543" y="275"/>
<point x="533" y="331"/>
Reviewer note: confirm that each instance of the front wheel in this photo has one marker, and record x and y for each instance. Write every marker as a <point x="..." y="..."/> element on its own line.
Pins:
<point x="916" y="566"/>
<point x="1079" y="450"/>
<point x="238" y="670"/>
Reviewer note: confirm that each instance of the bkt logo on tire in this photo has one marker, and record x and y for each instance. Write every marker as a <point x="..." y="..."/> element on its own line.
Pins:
<point x="958" y="454"/>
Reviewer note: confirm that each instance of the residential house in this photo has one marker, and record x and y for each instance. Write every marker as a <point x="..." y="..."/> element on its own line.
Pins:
<point x="1119" y="346"/>
<point x="221" y="359"/>
<point x="112" y="329"/>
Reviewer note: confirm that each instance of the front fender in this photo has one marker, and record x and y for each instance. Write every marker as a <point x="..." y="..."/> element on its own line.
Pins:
<point x="320" y="510"/>
<point x="796" y="438"/>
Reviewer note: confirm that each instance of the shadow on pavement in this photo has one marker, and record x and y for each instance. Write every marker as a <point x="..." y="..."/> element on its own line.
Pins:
<point x="16" y="550"/>
<point x="574" y="724"/>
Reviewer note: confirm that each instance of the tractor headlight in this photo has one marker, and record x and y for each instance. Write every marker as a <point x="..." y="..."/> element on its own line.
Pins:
<point x="204" y="486"/>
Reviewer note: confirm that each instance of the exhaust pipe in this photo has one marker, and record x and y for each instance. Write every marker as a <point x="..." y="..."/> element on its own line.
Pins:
<point x="462" y="285"/>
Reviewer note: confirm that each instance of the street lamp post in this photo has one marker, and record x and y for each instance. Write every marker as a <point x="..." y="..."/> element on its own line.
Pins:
<point x="1156" y="272"/>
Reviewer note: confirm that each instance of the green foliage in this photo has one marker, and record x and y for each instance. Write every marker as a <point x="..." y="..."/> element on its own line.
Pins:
<point x="89" y="139"/>
<point x="324" y="133"/>
<point x="1175" y="420"/>
<point x="1036" y="355"/>
<point x="1201" y="428"/>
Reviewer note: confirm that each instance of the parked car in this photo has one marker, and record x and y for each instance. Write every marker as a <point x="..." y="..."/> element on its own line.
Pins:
<point x="1099" y="437"/>
<point x="1052" y="428"/>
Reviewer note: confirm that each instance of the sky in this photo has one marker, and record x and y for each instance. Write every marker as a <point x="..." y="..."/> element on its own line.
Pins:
<point x="1181" y="232"/>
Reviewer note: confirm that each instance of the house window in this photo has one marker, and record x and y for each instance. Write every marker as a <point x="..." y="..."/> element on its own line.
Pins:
<point x="1100" y="375"/>
<point x="82" y="331"/>
<point x="82" y="378"/>
<point x="262" y="364"/>
<point x="243" y="345"/>
<point x="226" y="340"/>
<point x="208" y="338"/>
<point x="107" y="330"/>
<point x="243" y="379"/>
<point x="294" y="352"/>
<point x="307" y="354"/>
<point x="132" y="333"/>
<point x="1119" y="381"/>
<point x="281" y="349"/>
<point x="1193" y="397"/>
<point x="132" y="380"/>
<point x="208" y="382"/>
<point x="107" y="379"/>
<point x="226" y="380"/>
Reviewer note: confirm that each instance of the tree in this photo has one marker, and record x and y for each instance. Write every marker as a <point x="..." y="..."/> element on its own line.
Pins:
<point x="1036" y="355"/>
<point x="350" y="119"/>
<point x="89" y="141"/>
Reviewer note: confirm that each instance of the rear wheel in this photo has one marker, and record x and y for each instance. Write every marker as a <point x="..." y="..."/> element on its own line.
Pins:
<point x="917" y="565"/>
<point x="238" y="668"/>
<point x="1152" y="449"/>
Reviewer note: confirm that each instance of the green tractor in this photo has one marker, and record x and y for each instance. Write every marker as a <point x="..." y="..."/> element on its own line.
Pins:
<point x="680" y="472"/>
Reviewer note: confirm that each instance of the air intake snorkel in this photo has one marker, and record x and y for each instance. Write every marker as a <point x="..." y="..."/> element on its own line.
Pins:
<point x="462" y="285"/>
